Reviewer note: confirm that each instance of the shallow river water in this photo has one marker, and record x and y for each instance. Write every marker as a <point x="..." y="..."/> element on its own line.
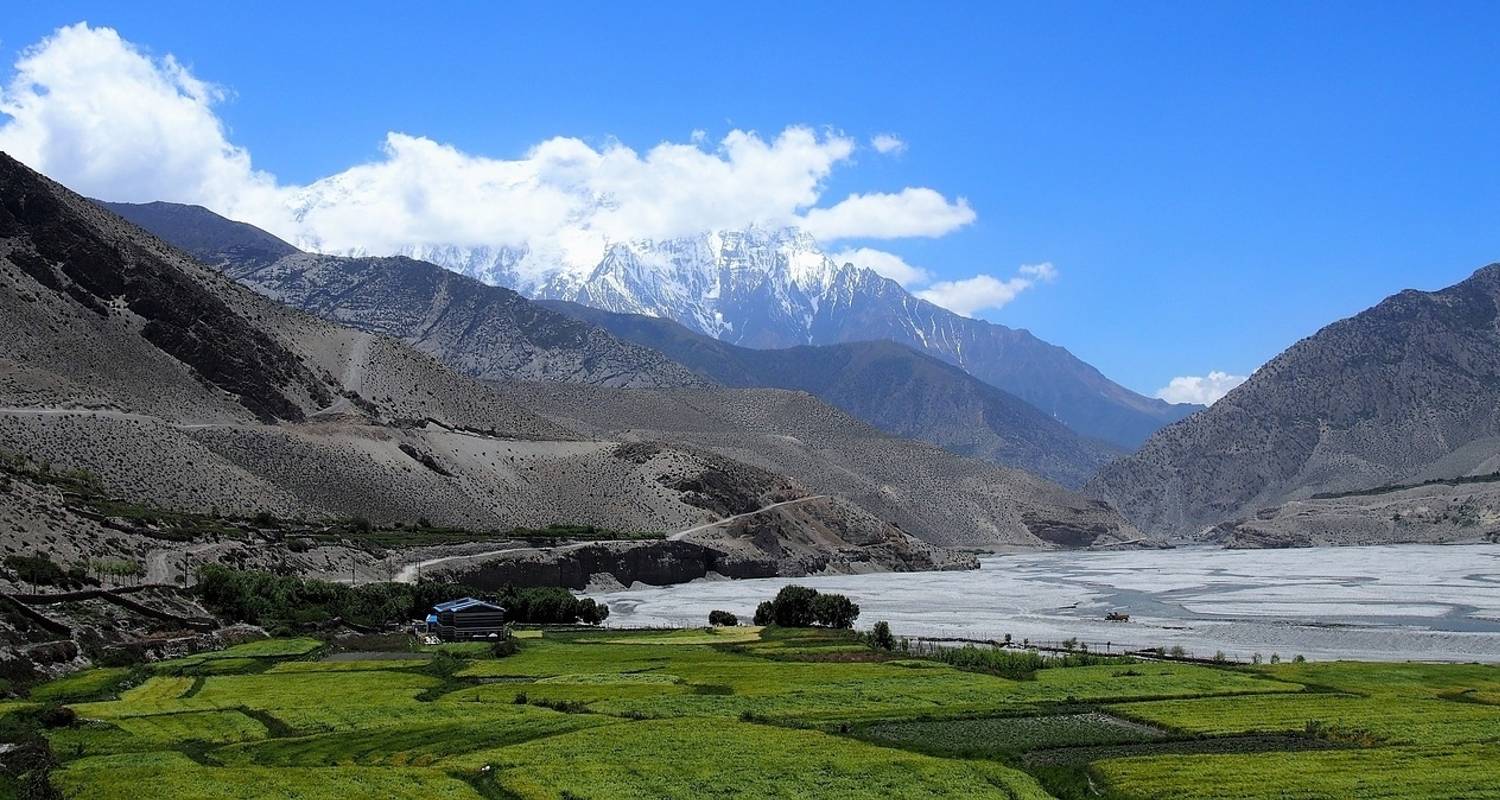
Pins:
<point x="1390" y="602"/>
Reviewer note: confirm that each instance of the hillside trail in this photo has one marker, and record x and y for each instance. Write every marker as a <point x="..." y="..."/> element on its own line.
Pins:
<point x="409" y="572"/>
<point x="683" y="534"/>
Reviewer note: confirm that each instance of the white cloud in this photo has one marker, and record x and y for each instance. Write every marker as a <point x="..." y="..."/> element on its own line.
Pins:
<point x="888" y="264"/>
<point x="99" y="115"/>
<point x="909" y="212"/>
<point x="423" y="192"/>
<point x="1201" y="389"/>
<point x="981" y="292"/>
<point x="1039" y="272"/>
<point x="110" y="120"/>
<point x="888" y="144"/>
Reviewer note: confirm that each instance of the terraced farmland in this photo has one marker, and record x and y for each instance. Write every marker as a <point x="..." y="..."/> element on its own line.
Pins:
<point x="751" y="713"/>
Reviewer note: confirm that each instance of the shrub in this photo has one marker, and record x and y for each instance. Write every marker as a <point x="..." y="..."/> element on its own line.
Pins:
<point x="765" y="613"/>
<point x="57" y="716"/>
<point x="722" y="618"/>
<point x="881" y="638"/>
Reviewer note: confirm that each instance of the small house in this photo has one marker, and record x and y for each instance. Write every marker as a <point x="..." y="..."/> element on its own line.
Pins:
<point x="466" y="618"/>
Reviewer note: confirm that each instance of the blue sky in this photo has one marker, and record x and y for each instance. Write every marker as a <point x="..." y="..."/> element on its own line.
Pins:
<point x="1210" y="182"/>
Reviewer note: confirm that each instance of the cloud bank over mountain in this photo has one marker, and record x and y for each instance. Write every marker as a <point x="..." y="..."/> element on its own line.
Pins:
<point x="103" y="114"/>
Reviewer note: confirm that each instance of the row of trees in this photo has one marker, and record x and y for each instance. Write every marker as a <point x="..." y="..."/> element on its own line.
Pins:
<point x="801" y="607"/>
<point x="38" y="569"/>
<point x="264" y="598"/>
<point x="550" y="604"/>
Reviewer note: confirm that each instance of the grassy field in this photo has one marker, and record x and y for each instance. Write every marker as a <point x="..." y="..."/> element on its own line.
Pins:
<point x="755" y="713"/>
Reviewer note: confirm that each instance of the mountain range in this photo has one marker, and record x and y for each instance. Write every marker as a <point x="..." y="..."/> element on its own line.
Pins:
<point x="493" y="333"/>
<point x="831" y="453"/>
<point x="774" y="288"/>
<point x="175" y="389"/>
<point x="178" y="386"/>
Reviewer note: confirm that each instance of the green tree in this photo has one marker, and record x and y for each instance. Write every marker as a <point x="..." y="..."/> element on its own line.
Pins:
<point x="793" y="607"/>
<point x="834" y="610"/>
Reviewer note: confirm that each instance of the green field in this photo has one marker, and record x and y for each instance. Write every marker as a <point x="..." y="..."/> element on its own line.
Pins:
<point x="755" y="713"/>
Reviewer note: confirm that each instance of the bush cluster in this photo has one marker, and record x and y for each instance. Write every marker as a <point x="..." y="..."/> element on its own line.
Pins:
<point x="801" y="607"/>
<point x="550" y="605"/>
<point x="722" y="618"/>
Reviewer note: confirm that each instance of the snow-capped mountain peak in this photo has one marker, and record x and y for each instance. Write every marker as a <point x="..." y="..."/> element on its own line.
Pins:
<point x="768" y="287"/>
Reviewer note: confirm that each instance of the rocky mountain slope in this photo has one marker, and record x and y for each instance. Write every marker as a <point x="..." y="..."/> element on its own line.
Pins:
<point x="483" y="331"/>
<point x="1405" y="391"/>
<point x="774" y="288"/>
<point x="174" y="386"/>
<point x="921" y="488"/>
<point x="885" y="384"/>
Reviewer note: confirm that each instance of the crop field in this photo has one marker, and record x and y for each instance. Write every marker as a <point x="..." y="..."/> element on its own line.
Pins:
<point x="994" y="736"/>
<point x="247" y="657"/>
<point x="1389" y="721"/>
<point x="1463" y="772"/>
<point x="80" y="685"/>
<point x="756" y="713"/>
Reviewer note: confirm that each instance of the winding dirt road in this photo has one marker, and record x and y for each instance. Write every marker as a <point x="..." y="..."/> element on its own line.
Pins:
<point x="680" y="535"/>
<point x="409" y="572"/>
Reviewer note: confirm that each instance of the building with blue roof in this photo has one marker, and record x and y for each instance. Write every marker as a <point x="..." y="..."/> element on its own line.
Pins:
<point x="467" y="618"/>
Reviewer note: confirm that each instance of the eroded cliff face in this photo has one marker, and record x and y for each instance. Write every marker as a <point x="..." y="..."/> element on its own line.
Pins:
<point x="656" y="563"/>
<point x="806" y="536"/>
